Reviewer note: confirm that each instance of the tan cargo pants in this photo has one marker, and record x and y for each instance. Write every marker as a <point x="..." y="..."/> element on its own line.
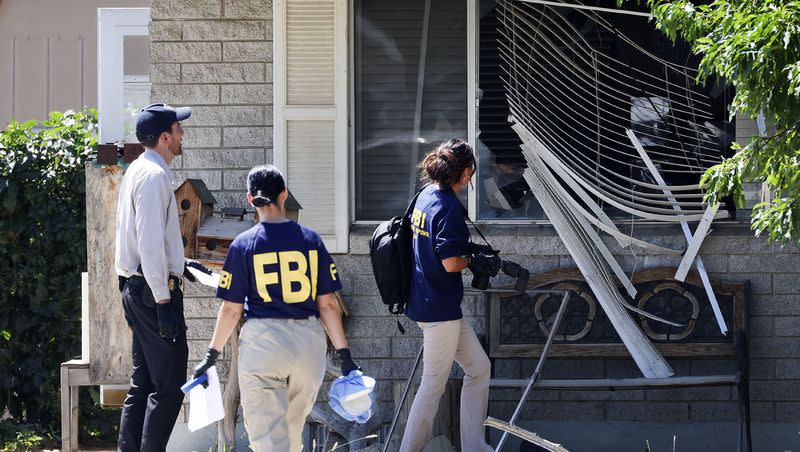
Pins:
<point x="444" y="342"/>
<point x="281" y="367"/>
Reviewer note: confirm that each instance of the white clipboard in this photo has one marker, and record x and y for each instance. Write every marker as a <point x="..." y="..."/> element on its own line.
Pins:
<point x="205" y="404"/>
<point x="211" y="280"/>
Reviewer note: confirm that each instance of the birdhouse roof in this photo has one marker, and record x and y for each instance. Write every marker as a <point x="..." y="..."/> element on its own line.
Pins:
<point x="202" y="191"/>
<point x="291" y="202"/>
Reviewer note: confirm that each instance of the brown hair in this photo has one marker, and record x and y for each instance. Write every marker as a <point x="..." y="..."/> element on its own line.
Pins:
<point x="445" y="164"/>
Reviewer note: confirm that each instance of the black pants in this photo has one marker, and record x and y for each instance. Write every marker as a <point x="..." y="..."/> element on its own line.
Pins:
<point x="159" y="369"/>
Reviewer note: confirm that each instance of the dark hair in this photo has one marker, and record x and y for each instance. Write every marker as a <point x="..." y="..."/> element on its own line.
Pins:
<point x="151" y="140"/>
<point x="445" y="164"/>
<point x="265" y="183"/>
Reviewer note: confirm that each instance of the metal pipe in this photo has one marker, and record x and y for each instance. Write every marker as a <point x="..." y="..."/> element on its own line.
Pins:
<point x="539" y="365"/>
<point x="402" y="400"/>
<point x="621" y="383"/>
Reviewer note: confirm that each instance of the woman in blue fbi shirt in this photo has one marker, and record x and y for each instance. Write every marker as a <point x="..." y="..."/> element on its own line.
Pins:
<point x="439" y="247"/>
<point x="279" y="274"/>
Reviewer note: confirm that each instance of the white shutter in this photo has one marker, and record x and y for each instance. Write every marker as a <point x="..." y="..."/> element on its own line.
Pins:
<point x="310" y="85"/>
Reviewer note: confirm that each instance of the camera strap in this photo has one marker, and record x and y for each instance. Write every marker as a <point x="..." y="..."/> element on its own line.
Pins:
<point x="466" y="215"/>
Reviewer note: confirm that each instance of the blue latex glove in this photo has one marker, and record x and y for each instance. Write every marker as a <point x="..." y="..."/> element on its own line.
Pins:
<point x="358" y="409"/>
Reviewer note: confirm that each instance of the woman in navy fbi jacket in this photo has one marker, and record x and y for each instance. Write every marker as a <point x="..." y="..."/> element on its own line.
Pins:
<point x="439" y="248"/>
<point x="279" y="274"/>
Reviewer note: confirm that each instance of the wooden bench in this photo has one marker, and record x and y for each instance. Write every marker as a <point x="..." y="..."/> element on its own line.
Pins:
<point x="569" y="280"/>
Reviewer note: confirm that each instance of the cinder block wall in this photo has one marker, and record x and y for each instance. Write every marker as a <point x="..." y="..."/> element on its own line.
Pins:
<point x="215" y="55"/>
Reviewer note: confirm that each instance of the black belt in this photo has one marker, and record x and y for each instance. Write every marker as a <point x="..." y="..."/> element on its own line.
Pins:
<point x="173" y="282"/>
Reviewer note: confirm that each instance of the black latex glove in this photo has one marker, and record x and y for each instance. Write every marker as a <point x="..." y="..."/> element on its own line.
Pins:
<point x="187" y="263"/>
<point x="209" y="361"/>
<point x="485" y="263"/>
<point x="347" y="361"/>
<point x="169" y="325"/>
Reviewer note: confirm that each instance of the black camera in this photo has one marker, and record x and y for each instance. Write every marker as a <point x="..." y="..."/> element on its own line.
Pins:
<point x="486" y="264"/>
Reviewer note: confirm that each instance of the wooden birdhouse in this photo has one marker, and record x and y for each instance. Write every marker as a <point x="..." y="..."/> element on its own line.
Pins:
<point x="195" y="205"/>
<point x="292" y="208"/>
<point x="215" y="236"/>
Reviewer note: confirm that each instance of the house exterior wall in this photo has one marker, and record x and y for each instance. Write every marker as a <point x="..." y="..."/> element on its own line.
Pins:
<point x="215" y="55"/>
<point x="49" y="50"/>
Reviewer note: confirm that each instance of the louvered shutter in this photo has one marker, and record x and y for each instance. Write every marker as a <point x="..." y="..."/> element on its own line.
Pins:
<point x="310" y="85"/>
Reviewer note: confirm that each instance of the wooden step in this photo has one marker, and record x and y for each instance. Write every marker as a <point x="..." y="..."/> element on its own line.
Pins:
<point x="523" y="434"/>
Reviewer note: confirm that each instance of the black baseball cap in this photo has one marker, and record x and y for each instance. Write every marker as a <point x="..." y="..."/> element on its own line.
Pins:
<point x="157" y="118"/>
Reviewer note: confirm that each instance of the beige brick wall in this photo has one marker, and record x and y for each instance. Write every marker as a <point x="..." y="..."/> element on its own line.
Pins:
<point x="216" y="56"/>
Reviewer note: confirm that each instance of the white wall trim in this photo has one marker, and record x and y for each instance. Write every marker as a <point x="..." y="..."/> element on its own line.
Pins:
<point x="280" y="159"/>
<point x="472" y="93"/>
<point x="342" y="108"/>
<point x="113" y="24"/>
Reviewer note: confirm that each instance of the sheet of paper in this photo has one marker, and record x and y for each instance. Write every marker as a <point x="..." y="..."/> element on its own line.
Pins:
<point x="211" y="280"/>
<point x="205" y="404"/>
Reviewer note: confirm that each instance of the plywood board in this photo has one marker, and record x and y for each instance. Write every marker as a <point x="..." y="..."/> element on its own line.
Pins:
<point x="110" y="336"/>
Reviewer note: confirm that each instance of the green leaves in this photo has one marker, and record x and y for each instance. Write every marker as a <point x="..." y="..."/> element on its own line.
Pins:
<point x="42" y="253"/>
<point x="754" y="46"/>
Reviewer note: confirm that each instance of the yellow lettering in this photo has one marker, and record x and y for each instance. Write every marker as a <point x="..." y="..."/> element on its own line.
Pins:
<point x="334" y="272"/>
<point x="263" y="278"/>
<point x="313" y="263"/>
<point x="298" y="275"/>
<point x="224" y="280"/>
<point x="415" y="217"/>
<point x="418" y="223"/>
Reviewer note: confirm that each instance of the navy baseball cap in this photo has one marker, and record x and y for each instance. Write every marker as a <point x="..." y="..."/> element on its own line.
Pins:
<point x="157" y="118"/>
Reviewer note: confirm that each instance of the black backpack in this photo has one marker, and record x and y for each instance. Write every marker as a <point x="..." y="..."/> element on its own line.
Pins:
<point x="390" y="254"/>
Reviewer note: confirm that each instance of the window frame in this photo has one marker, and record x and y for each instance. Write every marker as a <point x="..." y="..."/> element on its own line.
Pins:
<point x="472" y="110"/>
<point x="113" y="24"/>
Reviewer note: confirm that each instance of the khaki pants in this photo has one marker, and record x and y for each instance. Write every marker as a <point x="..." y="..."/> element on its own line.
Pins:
<point x="444" y="342"/>
<point x="281" y="367"/>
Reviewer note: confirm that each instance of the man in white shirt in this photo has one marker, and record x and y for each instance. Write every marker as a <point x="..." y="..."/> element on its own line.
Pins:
<point x="150" y="262"/>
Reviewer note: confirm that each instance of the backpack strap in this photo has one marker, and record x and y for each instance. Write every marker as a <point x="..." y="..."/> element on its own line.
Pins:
<point x="413" y="202"/>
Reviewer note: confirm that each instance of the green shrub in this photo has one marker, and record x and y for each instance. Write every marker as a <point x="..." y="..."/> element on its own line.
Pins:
<point x="42" y="255"/>
<point x="16" y="437"/>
